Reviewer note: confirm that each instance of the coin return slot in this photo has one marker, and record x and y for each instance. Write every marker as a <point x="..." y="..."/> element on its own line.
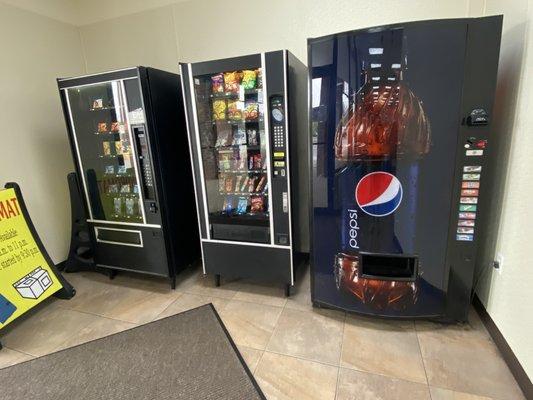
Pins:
<point x="119" y="236"/>
<point x="389" y="267"/>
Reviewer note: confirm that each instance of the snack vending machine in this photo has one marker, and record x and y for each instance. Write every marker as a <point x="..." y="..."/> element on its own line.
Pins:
<point x="400" y="118"/>
<point x="246" y="121"/>
<point x="128" y="138"/>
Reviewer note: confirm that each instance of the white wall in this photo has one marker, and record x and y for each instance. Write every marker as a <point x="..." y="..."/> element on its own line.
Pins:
<point x="34" y="151"/>
<point x="507" y="295"/>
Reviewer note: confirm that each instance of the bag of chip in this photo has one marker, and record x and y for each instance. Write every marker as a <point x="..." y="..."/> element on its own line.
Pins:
<point x="249" y="78"/>
<point x="219" y="109"/>
<point x="251" y="112"/>
<point x="232" y="81"/>
<point x="217" y="83"/>
<point x="257" y="204"/>
<point x="242" y="205"/>
<point x="259" y="74"/>
<point x="235" y="110"/>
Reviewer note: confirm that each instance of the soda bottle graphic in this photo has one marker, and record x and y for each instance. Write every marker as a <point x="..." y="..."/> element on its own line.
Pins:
<point x="385" y="123"/>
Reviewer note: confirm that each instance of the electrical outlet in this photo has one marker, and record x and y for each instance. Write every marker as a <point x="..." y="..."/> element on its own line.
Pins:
<point x="498" y="263"/>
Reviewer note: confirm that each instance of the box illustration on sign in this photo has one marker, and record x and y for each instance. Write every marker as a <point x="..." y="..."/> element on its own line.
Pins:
<point x="33" y="285"/>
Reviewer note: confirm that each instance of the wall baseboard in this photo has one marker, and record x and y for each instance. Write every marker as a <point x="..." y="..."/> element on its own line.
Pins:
<point x="508" y="355"/>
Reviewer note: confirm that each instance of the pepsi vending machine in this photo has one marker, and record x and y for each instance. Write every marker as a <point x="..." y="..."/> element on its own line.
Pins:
<point x="400" y="118"/>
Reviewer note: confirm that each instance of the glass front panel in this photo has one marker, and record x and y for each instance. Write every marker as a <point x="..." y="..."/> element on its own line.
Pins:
<point x="103" y="139"/>
<point x="233" y="145"/>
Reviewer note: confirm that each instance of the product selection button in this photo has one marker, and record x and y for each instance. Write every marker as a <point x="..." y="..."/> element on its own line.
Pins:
<point x="465" y="238"/>
<point x="467" y="215"/>
<point x="471" y="177"/>
<point x="468" y="207"/>
<point x="470" y="185"/>
<point x="468" y="200"/>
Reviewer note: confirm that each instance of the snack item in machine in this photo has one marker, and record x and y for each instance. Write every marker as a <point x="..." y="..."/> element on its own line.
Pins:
<point x="239" y="135"/>
<point x="238" y="180"/>
<point x="251" y="111"/>
<point x="221" y="182"/>
<point x="224" y="134"/>
<point x="228" y="205"/>
<point x="261" y="184"/>
<point x="244" y="184"/>
<point x="257" y="204"/>
<point x="110" y="169"/>
<point x="232" y="81"/>
<point x="118" y="147"/>
<point x="98" y="103"/>
<point x="107" y="148"/>
<point x="126" y="188"/>
<point x="239" y="158"/>
<point x="229" y="184"/>
<point x="117" y="205"/>
<point x="249" y="78"/>
<point x="251" y="184"/>
<point x="235" y="110"/>
<point x="102" y="127"/>
<point x="219" y="110"/>
<point x="257" y="161"/>
<point x="242" y="205"/>
<point x="259" y="74"/>
<point x="115" y="127"/>
<point x="252" y="137"/>
<point x="217" y="83"/>
<point x="224" y="159"/>
<point x="130" y="206"/>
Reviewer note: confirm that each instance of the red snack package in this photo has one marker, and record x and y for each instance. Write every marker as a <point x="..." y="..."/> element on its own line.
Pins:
<point x="257" y="204"/>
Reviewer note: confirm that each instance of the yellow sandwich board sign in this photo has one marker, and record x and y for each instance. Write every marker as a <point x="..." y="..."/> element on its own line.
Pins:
<point x="27" y="274"/>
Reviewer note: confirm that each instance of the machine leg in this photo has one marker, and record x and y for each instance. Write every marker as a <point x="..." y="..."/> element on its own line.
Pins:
<point x="217" y="280"/>
<point x="287" y="290"/>
<point x="1" y="347"/>
<point x="112" y="274"/>
<point x="173" y="282"/>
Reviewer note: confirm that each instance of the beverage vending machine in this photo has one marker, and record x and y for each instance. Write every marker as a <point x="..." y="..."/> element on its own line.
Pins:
<point x="128" y="136"/>
<point x="400" y="119"/>
<point x="247" y="121"/>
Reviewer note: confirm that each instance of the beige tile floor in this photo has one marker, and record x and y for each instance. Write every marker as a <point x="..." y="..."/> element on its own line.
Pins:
<point x="294" y="351"/>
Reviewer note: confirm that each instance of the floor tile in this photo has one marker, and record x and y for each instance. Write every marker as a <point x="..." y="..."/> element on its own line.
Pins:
<point x="250" y="324"/>
<point x="445" y="394"/>
<point x="272" y="295"/>
<point x="10" y="357"/>
<point x="188" y="301"/>
<point x="251" y="356"/>
<point x="466" y="363"/>
<point x="364" y="386"/>
<point x="283" y="377"/>
<point x="205" y="285"/>
<point x="311" y="335"/>
<point x="43" y="330"/>
<point x="473" y="328"/>
<point x="382" y="347"/>
<point x="97" y="329"/>
<point x="127" y="298"/>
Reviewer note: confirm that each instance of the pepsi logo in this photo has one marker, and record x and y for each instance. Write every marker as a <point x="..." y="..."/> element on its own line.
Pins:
<point x="379" y="194"/>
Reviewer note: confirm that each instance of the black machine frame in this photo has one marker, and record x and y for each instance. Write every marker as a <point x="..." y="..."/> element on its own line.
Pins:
<point x="482" y="44"/>
<point x="169" y="232"/>
<point x="284" y="76"/>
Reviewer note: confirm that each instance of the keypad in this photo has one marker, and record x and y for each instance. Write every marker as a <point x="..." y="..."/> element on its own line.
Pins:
<point x="279" y="136"/>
